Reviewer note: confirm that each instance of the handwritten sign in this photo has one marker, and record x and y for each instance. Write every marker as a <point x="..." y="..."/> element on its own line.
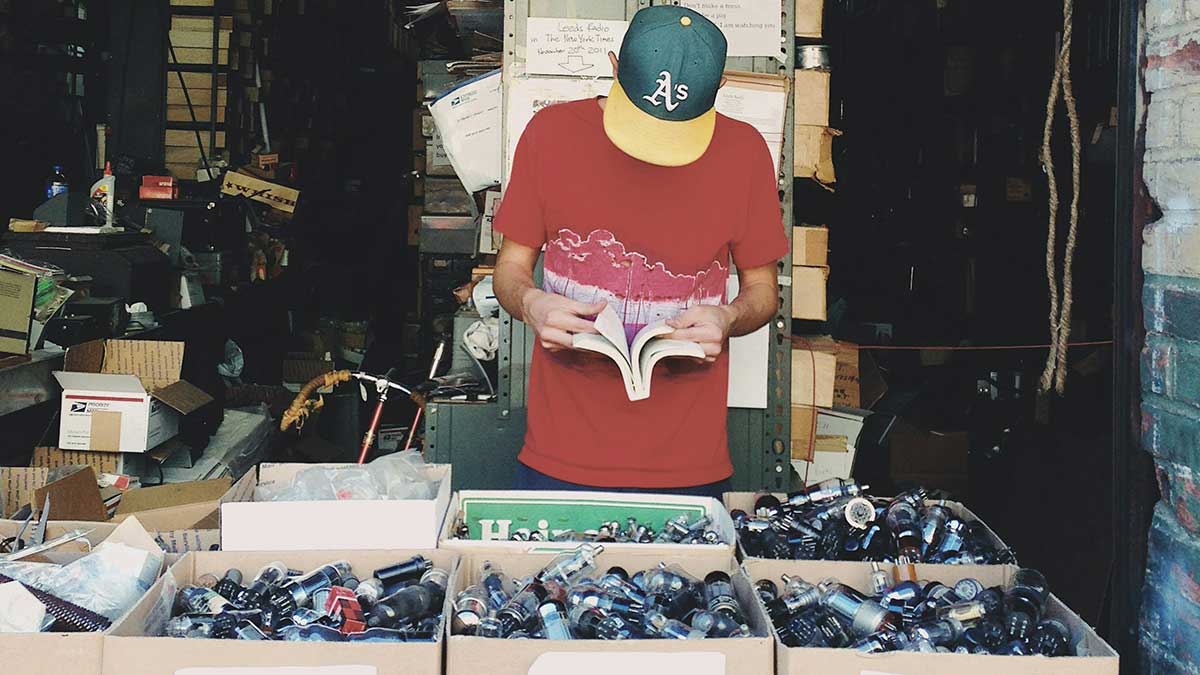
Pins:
<point x="556" y="46"/>
<point x="752" y="27"/>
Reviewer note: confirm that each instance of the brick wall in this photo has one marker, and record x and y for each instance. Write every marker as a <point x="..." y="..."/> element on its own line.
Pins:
<point x="1170" y="623"/>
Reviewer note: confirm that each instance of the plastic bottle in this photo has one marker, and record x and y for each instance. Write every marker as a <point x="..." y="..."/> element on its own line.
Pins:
<point x="103" y="190"/>
<point x="57" y="183"/>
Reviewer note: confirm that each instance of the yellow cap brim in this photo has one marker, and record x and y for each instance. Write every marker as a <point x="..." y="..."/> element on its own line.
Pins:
<point x="655" y="141"/>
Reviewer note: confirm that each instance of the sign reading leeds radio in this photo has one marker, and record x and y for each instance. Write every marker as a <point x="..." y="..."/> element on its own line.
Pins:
<point x="558" y="46"/>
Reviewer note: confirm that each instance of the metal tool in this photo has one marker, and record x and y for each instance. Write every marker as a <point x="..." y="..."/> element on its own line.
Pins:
<point x="46" y="546"/>
<point x="382" y="386"/>
<point x="38" y="536"/>
<point x="437" y="361"/>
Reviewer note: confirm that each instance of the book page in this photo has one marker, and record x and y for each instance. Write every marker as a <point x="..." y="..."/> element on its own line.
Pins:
<point x="609" y="325"/>
<point x="658" y="349"/>
<point x="602" y="345"/>
<point x="649" y="331"/>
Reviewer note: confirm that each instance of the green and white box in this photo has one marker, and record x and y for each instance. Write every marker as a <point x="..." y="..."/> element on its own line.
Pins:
<point x="492" y="516"/>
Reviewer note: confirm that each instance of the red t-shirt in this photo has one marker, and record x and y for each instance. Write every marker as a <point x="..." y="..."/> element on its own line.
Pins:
<point x="651" y="241"/>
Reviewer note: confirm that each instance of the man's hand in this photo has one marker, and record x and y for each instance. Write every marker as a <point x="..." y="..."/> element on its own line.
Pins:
<point x="555" y="318"/>
<point x="708" y="325"/>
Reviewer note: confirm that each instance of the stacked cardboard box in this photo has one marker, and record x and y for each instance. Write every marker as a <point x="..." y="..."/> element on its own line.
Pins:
<point x="192" y="88"/>
<point x="810" y="271"/>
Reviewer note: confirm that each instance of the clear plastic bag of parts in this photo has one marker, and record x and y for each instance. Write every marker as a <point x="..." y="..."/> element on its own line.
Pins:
<point x="108" y="581"/>
<point x="399" y="475"/>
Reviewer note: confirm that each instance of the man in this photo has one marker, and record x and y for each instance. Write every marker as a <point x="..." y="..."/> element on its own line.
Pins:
<point x="641" y="199"/>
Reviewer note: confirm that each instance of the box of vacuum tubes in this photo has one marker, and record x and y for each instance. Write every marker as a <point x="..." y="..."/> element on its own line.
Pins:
<point x="850" y="618"/>
<point x="837" y="520"/>
<point x="378" y="612"/>
<point x="592" y="610"/>
<point x="56" y="605"/>
<point x="342" y="520"/>
<point x="513" y="520"/>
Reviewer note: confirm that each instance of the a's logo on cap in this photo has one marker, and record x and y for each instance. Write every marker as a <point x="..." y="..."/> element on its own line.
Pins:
<point x="665" y="92"/>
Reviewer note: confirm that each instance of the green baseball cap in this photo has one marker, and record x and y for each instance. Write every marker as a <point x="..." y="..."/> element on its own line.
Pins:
<point x="661" y="107"/>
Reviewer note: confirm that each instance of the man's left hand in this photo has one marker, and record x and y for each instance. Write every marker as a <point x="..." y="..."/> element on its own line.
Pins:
<point x="707" y="325"/>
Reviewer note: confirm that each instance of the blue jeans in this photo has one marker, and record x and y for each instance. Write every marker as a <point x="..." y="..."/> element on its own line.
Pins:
<point x="527" y="478"/>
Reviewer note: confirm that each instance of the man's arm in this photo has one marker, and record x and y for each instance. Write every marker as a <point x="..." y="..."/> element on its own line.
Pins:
<point x="553" y="317"/>
<point x="710" y="325"/>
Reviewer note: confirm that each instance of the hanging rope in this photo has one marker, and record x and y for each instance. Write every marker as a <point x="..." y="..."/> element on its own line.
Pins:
<point x="1055" y="372"/>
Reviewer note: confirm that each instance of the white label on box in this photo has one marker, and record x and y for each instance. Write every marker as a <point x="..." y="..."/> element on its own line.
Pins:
<point x="557" y="46"/>
<point x="629" y="663"/>
<point x="281" y="670"/>
<point x="752" y="27"/>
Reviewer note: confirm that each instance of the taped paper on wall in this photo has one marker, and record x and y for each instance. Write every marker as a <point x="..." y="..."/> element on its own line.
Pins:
<point x="752" y="27"/>
<point x="748" y="362"/>
<point x="488" y="239"/>
<point x="630" y="663"/>
<point x="761" y="102"/>
<point x="560" y="46"/>
<point x="526" y="96"/>
<point x="469" y="123"/>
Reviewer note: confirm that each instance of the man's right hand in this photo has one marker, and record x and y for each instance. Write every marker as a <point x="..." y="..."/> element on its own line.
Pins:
<point x="556" y="318"/>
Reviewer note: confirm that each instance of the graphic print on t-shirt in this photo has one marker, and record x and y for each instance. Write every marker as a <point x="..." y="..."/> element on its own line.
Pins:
<point x="598" y="267"/>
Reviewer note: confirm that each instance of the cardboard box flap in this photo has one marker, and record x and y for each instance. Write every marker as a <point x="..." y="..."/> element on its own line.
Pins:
<point x="85" y="357"/>
<point x="125" y="384"/>
<point x="131" y="533"/>
<point x="183" y="396"/>
<point x="155" y="363"/>
<point x="173" y="494"/>
<point x="73" y="497"/>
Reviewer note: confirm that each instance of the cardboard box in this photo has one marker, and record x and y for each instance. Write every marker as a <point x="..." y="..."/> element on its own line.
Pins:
<point x="184" y="506"/>
<point x="811" y="98"/>
<point x="123" y="395"/>
<point x="810" y="246"/>
<point x="808" y="292"/>
<point x="131" y="645"/>
<point x="491" y="515"/>
<point x="813" y="374"/>
<point x="73" y="496"/>
<point x="744" y="501"/>
<point x="732" y="656"/>
<point x="830" y="451"/>
<point x="813" y="153"/>
<point x="17" y="291"/>
<point x="857" y="382"/>
<point x="1101" y="659"/>
<point x="278" y="196"/>
<point x="352" y="524"/>
<point x="809" y="18"/>
<point x="935" y="459"/>
<point x="76" y="653"/>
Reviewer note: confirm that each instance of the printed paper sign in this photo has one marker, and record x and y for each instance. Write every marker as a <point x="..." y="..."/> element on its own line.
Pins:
<point x="752" y="27"/>
<point x="629" y="663"/>
<point x="282" y="670"/>
<point x="488" y="238"/>
<point x="557" y="46"/>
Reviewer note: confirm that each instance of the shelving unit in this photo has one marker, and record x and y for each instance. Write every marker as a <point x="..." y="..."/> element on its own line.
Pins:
<point x="200" y="65"/>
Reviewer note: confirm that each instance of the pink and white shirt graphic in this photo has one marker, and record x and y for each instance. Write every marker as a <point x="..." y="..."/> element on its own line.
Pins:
<point x="598" y="267"/>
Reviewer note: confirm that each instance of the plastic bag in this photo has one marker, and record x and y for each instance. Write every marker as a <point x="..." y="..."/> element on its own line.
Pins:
<point x="397" y="476"/>
<point x="108" y="581"/>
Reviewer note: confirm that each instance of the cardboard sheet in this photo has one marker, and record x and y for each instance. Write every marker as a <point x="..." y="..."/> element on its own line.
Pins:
<point x="73" y="497"/>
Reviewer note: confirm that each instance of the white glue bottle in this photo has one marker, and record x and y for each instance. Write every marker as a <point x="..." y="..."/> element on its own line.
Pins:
<point x="102" y="191"/>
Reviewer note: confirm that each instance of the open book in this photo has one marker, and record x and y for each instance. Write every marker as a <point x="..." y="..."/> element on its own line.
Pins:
<point x="636" y="359"/>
